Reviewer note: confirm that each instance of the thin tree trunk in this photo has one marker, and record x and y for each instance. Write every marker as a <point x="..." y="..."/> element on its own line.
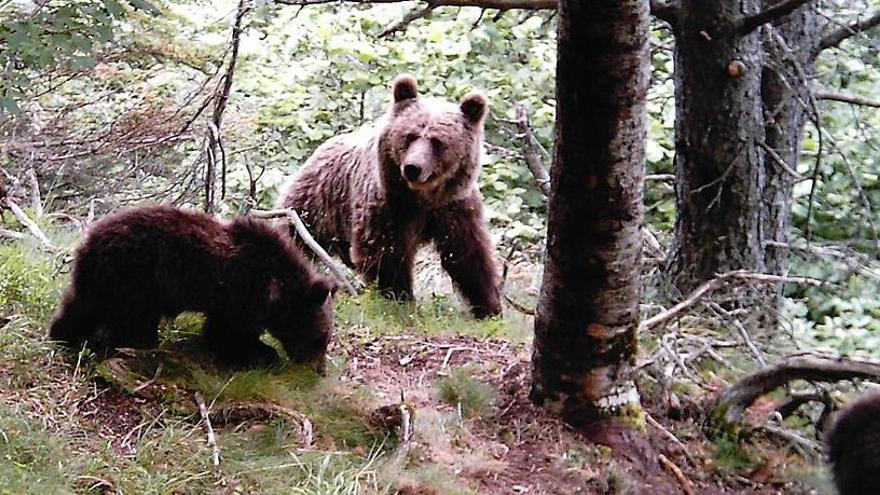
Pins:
<point x="587" y="316"/>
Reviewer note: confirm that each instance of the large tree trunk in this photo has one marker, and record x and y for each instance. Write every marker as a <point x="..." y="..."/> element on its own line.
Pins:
<point x="719" y="164"/>
<point x="791" y="48"/>
<point x="585" y="328"/>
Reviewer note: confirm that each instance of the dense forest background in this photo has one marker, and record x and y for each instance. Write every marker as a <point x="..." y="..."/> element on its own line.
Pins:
<point x="213" y="104"/>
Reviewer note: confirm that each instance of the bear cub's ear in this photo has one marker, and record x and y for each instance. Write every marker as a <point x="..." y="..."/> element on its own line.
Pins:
<point x="474" y="106"/>
<point x="405" y="88"/>
<point x="322" y="290"/>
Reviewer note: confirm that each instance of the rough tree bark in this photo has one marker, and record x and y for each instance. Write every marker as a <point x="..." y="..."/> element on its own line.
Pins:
<point x="743" y="94"/>
<point x="587" y="316"/>
<point x="791" y="47"/>
<point x="718" y="125"/>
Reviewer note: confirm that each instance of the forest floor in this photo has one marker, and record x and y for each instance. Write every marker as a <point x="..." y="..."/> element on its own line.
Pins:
<point x="130" y="424"/>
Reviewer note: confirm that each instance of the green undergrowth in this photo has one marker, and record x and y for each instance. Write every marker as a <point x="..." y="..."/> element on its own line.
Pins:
<point x="50" y="409"/>
<point x="30" y="458"/>
<point x="436" y="316"/>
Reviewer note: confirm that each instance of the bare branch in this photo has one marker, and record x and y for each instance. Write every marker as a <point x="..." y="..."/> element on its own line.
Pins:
<point x="812" y="367"/>
<point x="837" y="36"/>
<point x="484" y="4"/>
<point x="411" y="16"/>
<point x="542" y="178"/>
<point x="781" y="9"/>
<point x="293" y="217"/>
<point x="221" y="99"/>
<point x="662" y="10"/>
<point x="848" y="98"/>
<point x="719" y="280"/>
<point x="779" y="161"/>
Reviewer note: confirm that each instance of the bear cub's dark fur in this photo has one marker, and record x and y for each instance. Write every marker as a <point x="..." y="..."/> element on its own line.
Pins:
<point x="854" y="447"/>
<point x="146" y="263"/>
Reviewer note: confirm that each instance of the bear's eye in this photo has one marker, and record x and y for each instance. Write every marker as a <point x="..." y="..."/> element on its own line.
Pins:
<point x="411" y="137"/>
<point x="437" y="145"/>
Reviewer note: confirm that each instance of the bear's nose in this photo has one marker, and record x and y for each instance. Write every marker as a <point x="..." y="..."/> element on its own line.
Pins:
<point x="411" y="172"/>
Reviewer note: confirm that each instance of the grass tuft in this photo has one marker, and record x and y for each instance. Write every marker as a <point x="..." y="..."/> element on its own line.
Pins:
<point x="459" y="388"/>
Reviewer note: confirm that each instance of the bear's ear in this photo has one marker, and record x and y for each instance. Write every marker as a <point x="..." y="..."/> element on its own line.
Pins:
<point x="405" y="88"/>
<point x="322" y="290"/>
<point x="474" y="106"/>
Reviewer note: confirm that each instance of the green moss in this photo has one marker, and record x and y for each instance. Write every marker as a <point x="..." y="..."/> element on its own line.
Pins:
<point x="729" y="455"/>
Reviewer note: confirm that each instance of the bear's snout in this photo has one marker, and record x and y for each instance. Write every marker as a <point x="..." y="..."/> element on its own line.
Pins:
<point x="412" y="172"/>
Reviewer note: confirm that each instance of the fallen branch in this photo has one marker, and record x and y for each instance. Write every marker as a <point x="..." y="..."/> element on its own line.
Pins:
<point x="262" y="411"/>
<point x="717" y="282"/>
<point x="812" y="445"/>
<point x="11" y="234"/>
<point x="293" y="218"/>
<point x="684" y="450"/>
<point x="733" y="402"/>
<point x="22" y="217"/>
<point x="148" y="382"/>
<point x="212" y="439"/>
<point x="686" y="486"/>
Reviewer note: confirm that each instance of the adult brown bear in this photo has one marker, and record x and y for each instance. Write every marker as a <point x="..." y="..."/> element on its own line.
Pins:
<point x="375" y="196"/>
<point x="139" y="265"/>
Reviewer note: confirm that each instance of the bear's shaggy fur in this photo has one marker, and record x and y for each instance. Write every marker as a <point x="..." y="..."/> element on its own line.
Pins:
<point x="854" y="447"/>
<point x="150" y="262"/>
<point x="375" y="196"/>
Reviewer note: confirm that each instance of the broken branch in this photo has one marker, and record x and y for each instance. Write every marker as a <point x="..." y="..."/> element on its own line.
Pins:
<point x="293" y="218"/>
<point x="32" y="226"/>
<point x="212" y="439"/>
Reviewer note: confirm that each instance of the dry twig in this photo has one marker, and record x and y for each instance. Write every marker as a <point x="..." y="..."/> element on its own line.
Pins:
<point x="30" y="224"/>
<point x="212" y="439"/>
<point x="293" y="218"/>
<point x="717" y="282"/>
<point x="653" y="422"/>
<point x="686" y="486"/>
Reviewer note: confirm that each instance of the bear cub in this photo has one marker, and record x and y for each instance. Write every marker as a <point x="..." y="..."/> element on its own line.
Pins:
<point x="142" y="264"/>
<point x="854" y="447"/>
<point x="375" y="196"/>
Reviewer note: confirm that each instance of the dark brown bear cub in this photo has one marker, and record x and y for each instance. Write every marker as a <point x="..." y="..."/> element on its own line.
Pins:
<point x="854" y="447"/>
<point x="146" y="263"/>
<point x="375" y="196"/>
